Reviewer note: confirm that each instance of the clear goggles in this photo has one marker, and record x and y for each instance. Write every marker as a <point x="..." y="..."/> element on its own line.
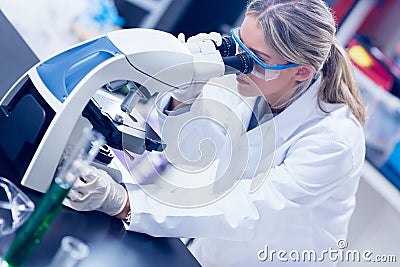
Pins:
<point x="261" y="69"/>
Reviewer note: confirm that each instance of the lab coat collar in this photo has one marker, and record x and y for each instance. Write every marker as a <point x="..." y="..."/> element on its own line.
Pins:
<point x="294" y="115"/>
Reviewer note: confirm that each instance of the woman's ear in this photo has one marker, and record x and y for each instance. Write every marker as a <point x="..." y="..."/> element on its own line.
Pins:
<point x="304" y="73"/>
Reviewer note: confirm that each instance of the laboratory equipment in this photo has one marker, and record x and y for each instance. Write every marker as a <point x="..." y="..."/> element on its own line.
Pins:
<point x="71" y="252"/>
<point x="46" y="109"/>
<point x="15" y="207"/>
<point x="381" y="129"/>
<point x="31" y="233"/>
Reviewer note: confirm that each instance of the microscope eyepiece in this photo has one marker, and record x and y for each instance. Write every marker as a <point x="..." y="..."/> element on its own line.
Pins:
<point x="227" y="47"/>
<point x="239" y="63"/>
<point x="234" y="63"/>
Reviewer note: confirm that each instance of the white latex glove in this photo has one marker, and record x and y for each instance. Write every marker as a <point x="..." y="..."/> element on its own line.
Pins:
<point x="97" y="191"/>
<point x="188" y="94"/>
<point x="214" y="36"/>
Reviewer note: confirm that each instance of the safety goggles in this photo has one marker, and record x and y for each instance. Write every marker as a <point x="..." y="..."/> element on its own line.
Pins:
<point x="261" y="69"/>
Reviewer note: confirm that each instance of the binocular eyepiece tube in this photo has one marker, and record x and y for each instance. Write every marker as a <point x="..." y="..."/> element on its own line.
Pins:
<point x="239" y="63"/>
<point x="234" y="63"/>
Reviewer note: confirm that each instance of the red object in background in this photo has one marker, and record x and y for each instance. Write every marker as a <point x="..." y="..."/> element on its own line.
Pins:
<point x="377" y="13"/>
<point x="375" y="70"/>
<point x="341" y="8"/>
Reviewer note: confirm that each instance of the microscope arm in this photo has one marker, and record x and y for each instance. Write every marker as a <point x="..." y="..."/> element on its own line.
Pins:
<point x="60" y="87"/>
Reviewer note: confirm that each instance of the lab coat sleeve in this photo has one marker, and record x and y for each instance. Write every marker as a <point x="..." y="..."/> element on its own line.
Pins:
<point x="215" y="220"/>
<point x="313" y="170"/>
<point x="197" y="134"/>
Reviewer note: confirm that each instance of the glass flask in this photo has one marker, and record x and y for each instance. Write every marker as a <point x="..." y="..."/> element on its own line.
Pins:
<point x="15" y="207"/>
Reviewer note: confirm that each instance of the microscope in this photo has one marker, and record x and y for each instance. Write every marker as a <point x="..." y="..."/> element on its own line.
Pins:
<point x="47" y="108"/>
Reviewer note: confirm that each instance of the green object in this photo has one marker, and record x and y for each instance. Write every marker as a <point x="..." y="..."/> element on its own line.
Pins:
<point x="40" y="220"/>
<point x="31" y="233"/>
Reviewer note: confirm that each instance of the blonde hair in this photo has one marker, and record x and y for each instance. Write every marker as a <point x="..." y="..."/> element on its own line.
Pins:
<point x="303" y="32"/>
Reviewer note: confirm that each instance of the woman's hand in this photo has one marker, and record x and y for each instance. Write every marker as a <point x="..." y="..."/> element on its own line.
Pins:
<point x="97" y="190"/>
<point x="187" y="95"/>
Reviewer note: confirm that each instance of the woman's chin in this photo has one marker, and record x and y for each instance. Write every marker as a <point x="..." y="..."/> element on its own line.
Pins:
<point x="247" y="90"/>
<point x="246" y="87"/>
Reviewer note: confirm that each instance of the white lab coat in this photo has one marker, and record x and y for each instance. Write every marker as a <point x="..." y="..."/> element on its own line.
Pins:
<point x="304" y="204"/>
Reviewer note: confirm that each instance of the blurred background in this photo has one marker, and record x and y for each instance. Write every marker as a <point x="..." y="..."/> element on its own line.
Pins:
<point x="48" y="26"/>
<point x="369" y="29"/>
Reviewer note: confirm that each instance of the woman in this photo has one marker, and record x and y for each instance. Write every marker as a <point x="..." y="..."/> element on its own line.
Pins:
<point x="304" y="205"/>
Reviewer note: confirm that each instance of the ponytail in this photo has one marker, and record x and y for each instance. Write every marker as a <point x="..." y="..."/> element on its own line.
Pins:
<point x="338" y="83"/>
<point x="308" y="38"/>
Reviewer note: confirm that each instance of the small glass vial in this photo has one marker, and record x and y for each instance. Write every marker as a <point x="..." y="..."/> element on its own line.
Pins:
<point x="72" y="251"/>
